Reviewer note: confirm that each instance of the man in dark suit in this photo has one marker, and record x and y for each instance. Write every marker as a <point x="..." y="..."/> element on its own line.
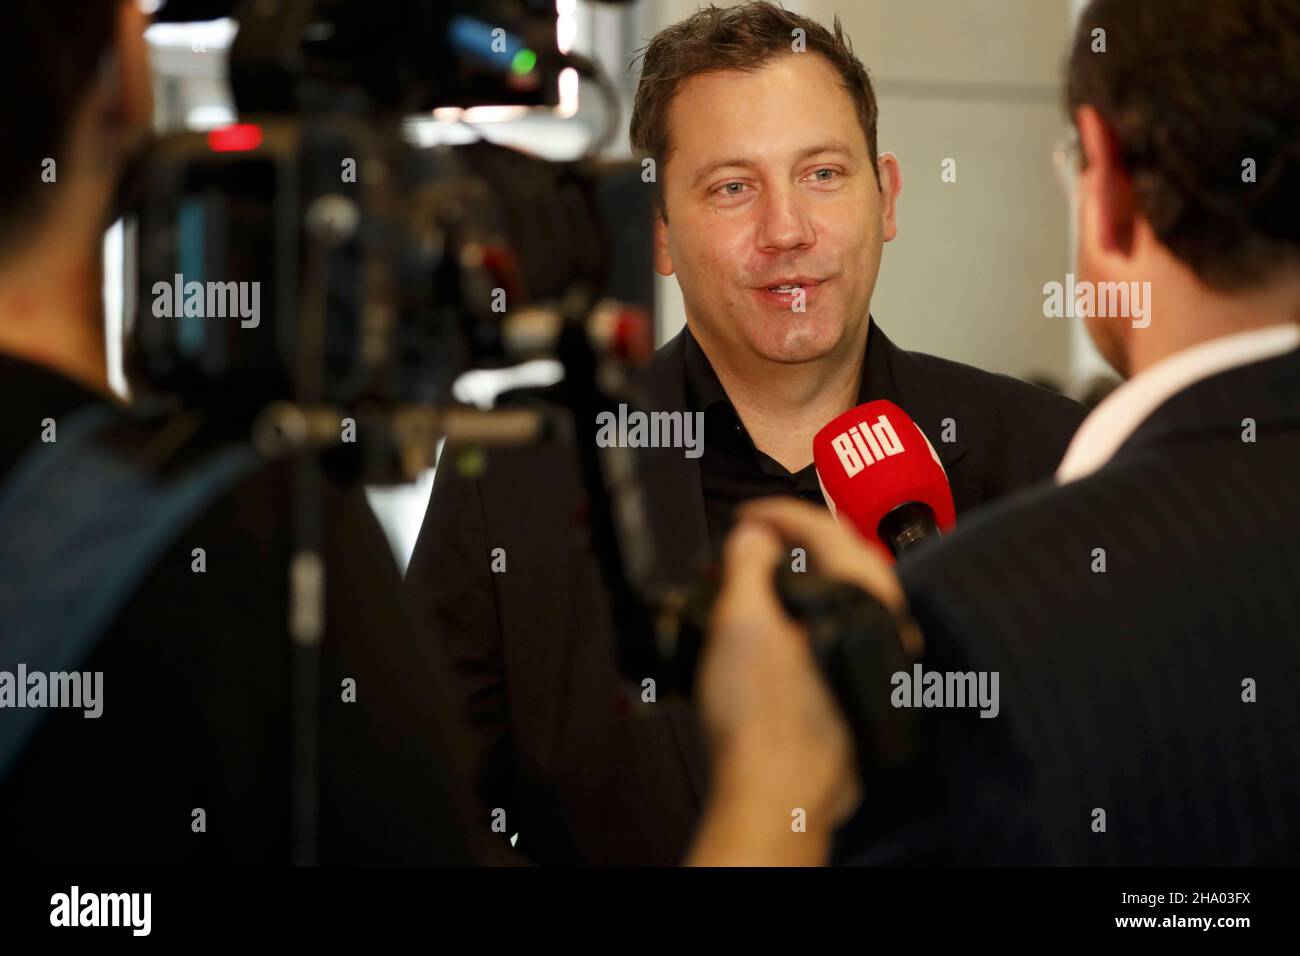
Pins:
<point x="775" y="209"/>
<point x="1143" y="614"/>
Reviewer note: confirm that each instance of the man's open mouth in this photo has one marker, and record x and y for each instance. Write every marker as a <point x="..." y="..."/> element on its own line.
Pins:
<point x="793" y="285"/>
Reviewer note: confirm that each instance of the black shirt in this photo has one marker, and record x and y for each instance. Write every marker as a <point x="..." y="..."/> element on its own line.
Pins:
<point x="196" y="694"/>
<point x="732" y="468"/>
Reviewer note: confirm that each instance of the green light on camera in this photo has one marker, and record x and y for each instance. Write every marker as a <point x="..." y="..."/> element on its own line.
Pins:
<point x="523" y="62"/>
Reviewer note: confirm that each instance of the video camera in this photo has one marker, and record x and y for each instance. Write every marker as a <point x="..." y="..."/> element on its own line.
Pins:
<point x="310" y="264"/>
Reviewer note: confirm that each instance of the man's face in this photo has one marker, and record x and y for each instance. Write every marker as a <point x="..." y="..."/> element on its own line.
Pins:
<point x="769" y="182"/>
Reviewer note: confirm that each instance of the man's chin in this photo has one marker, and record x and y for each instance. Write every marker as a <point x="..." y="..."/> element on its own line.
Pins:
<point x="803" y="340"/>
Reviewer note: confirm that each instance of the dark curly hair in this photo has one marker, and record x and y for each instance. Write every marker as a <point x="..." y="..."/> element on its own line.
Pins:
<point x="1192" y="89"/>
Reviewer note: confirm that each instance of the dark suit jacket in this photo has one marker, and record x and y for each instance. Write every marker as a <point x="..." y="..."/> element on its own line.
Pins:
<point x="1121" y="691"/>
<point x="532" y="648"/>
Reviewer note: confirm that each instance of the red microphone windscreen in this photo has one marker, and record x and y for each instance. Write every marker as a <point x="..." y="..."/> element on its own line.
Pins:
<point x="874" y="458"/>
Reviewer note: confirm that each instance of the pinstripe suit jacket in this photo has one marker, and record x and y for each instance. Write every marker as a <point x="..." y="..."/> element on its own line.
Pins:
<point x="1124" y="692"/>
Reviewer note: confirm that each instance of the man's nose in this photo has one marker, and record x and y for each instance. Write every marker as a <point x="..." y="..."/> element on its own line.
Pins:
<point x="786" y="223"/>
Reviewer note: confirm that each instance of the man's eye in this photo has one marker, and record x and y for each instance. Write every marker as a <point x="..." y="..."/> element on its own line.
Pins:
<point x="730" y="189"/>
<point x="825" y="175"/>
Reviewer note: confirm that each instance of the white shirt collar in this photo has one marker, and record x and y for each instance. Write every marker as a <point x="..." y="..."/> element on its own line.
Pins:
<point x="1123" y="410"/>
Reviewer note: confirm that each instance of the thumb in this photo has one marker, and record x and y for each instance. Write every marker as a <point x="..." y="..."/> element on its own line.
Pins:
<point x="750" y="554"/>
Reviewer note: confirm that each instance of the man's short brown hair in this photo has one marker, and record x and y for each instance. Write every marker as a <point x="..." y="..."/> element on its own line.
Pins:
<point x="745" y="37"/>
<point x="1193" y="91"/>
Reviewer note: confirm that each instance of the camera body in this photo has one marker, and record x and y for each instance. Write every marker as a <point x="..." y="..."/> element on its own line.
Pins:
<point x="312" y="253"/>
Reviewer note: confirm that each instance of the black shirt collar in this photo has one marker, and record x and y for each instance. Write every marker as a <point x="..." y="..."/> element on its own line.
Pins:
<point x="725" y="435"/>
<point x="703" y="389"/>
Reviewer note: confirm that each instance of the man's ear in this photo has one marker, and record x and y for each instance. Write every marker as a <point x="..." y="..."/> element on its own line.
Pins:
<point x="1105" y="186"/>
<point x="890" y="175"/>
<point x="663" y="258"/>
<point x="124" y="88"/>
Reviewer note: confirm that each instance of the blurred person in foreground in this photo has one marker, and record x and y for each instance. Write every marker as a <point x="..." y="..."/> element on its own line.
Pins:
<point x="184" y="755"/>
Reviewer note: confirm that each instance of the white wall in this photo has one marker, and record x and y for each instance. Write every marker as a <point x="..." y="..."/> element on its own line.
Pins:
<point x="979" y="83"/>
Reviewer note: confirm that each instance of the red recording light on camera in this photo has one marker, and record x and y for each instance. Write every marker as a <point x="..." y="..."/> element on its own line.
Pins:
<point x="239" y="138"/>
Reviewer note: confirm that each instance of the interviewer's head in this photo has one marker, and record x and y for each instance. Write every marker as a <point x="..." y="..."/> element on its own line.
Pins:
<point x="79" y="104"/>
<point x="1188" y="114"/>
<point x="78" y="76"/>
<point x="762" y="125"/>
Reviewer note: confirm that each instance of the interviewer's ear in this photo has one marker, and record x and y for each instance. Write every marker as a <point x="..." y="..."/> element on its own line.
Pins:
<point x="1108" y="203"/>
